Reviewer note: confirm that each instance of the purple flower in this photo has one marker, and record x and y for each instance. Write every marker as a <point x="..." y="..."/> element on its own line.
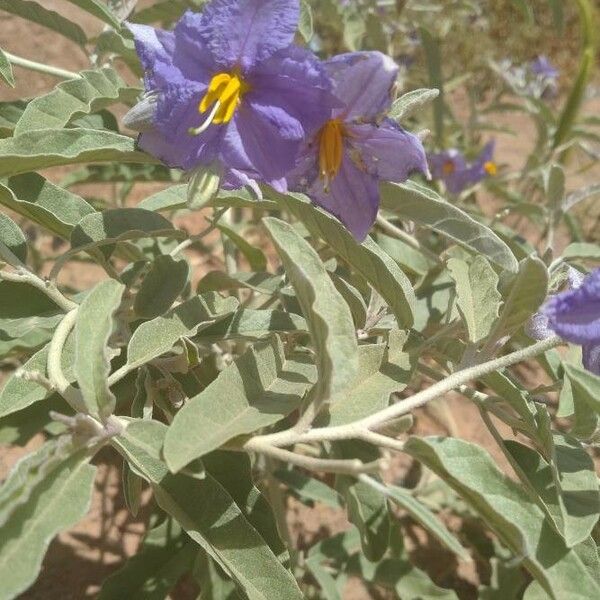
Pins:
<point x="451" y="167"/>
<point x="227" y="86"/>
<point x="542" y="66"/>
<point x="574" y="315"/>
<point x="341" y="166"/>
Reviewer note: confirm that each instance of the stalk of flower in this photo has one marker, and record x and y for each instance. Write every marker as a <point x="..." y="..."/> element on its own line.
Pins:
<point x="451" y="167"/>
<point x="340" y="167"/>
<point x="574" y="315"/>
<point x="227" y="86"/>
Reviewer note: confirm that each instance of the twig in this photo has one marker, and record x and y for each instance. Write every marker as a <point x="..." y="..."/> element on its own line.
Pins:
<point x="47" y="287"/>
<point x="40" y="68"/>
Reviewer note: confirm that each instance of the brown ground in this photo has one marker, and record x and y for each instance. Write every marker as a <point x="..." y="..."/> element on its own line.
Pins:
<point x="81" y="558"/>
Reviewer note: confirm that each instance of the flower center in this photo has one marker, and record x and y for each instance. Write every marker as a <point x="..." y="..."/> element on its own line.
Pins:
<point x="490" y="168"/>
<point x="331" y="149"/>
<point x="448" y="168"/>
<point x="222" y="97"/>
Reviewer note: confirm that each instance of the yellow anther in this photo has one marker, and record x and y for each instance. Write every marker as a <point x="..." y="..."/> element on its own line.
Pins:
<point x="448" y="168"/>
<point x="222" y="97"/>
<point x="331" y="149"/>
<point x="490" y="168"/>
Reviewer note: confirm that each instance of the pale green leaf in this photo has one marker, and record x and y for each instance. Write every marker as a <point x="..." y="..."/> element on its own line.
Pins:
<point x="172" y="198"/>
<point x="305" y="24"/>
<point x="210" y="517"/>
<point x="165" y="555"/>
<point x="36" y="13"/>
<point x="509" y="511"/>
<point x="44" y="148"/>
<point x="367" y="258"/>
<point x="261" y="282"/>
<point x="155" y="337"/>
<point x="255" y="256"/>
<point x="161" y="286"/>
<point x="581" y="250"/>
<point x="70" y="100"/>
<point x="329" y="319"/>
<point x="6" y="72"/>
<point x="422" y="205"/>
<point x="262" y="386"/>
<point x="57" y="502"/>
<point x="13" y="245"/>
<point x="308" y="488"/>
<point x="44" y="203"/>
<point x="99" y="9"/>
<point x="477" y="295"/>
<point x="93" y="327"/>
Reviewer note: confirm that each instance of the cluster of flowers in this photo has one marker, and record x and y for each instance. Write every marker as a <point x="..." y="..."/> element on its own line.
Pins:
<point x="228" y="87"/>
<point x="537" y="78"/>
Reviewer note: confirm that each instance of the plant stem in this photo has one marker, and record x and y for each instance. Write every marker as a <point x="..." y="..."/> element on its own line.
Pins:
<point x="357" y="429"/>
<point x="40" y="67"/>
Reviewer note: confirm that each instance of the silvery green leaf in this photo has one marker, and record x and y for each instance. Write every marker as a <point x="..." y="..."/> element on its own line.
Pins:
<point x="44" y="203"/>
<point x="155" y="337"/>
<point x="261" y="386"/>
<point x="425" y="207"/>
<point x="198" y="504"/>
<point x="554" y="184"/>
<point x="13" y="245"/>
<point x="305" y="24"/>
<point x="55" y="502"/>
<point x="367" y="258"/>
<point x="70" y="100"/>
<point x="329" y="319"/>
<point x="94" y="325"/>
<point x="6" y="72"/>
<point x="581" y="250"/>
<point x="408" y="103"/>
<point x="477" y="295"/>
<point x="99" y="9"/>
<point x="261" y="282"/>
<point x="165" y="555"/>
<point x="578" y="196"/>
<point x="141" y="116"/>
<point x="44" y="148"/>
<point x="161" y="286"/>
<point x="307" y="488"/>
<point x="509" y="511"/>
<point x="255" y="256"/>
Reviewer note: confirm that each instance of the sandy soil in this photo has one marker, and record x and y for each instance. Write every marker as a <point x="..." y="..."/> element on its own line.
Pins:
<point x="81" y="558"/>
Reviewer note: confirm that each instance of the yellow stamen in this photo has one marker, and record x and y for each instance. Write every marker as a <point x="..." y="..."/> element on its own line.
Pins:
<point x="331" y="149"/>
<point x="448" y="168"/>
<point x="490" y="168"/>
<point x="222" y="97"/>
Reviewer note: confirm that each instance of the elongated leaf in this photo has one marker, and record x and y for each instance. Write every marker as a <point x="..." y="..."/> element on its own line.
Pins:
<point x="508" y="510"/>
<point x="161" y="286"/>
<point x="254" y="256"/>
<point x="367" y="258"/>
<point x="210" y="517"/>
<point x="36" y="13"/>
<point x="526" y="293"/>
<point x="121" y="224"/>
<point x="418" y="203"/>
<point x="44" y="148"/>
<point x="308" y="488"/>
<point x="99" y="9"/>
<point x="10" y="113"/>
<point x="252" y="325"/>
<point x="431" y="46"/>
<point x="56" y="502"/>
<point x="382" y="370"/>
<point x="92" y="361"/>
<point x="46" y="204"/>
<point x="262" y="282"/>
<point x="214" y="582"/>
<point x="70" y="100"/>
<point x="477" y="293"/>
<point x="166" y="554"/>
<point x="6" y="72"/>
<point x="407" y="103"/>
<point x="153" y="338"/>
<point x="420" y="513"/>
<point x="172" y="198"/>
<point x="329" y="319"/>
<point x="582" y="250"/>
<point x="305" y="24"/>
<point x="586" y="386"/>
<point x="162" y="11"/>
<point x="261" y="387"/>
<point x="13" y="244"/>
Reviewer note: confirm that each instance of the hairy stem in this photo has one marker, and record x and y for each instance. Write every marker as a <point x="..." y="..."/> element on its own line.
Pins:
<point x="40" y="68"/>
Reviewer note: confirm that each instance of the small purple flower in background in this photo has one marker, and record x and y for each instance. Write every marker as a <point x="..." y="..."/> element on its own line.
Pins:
<point x="546" y="77"/>
<point x="574" y="315"/>
<point x="543" y="67"/>
<point x="340" y="168"/>
<point x="451" y="167"/>
<point x="227" y="86"/>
